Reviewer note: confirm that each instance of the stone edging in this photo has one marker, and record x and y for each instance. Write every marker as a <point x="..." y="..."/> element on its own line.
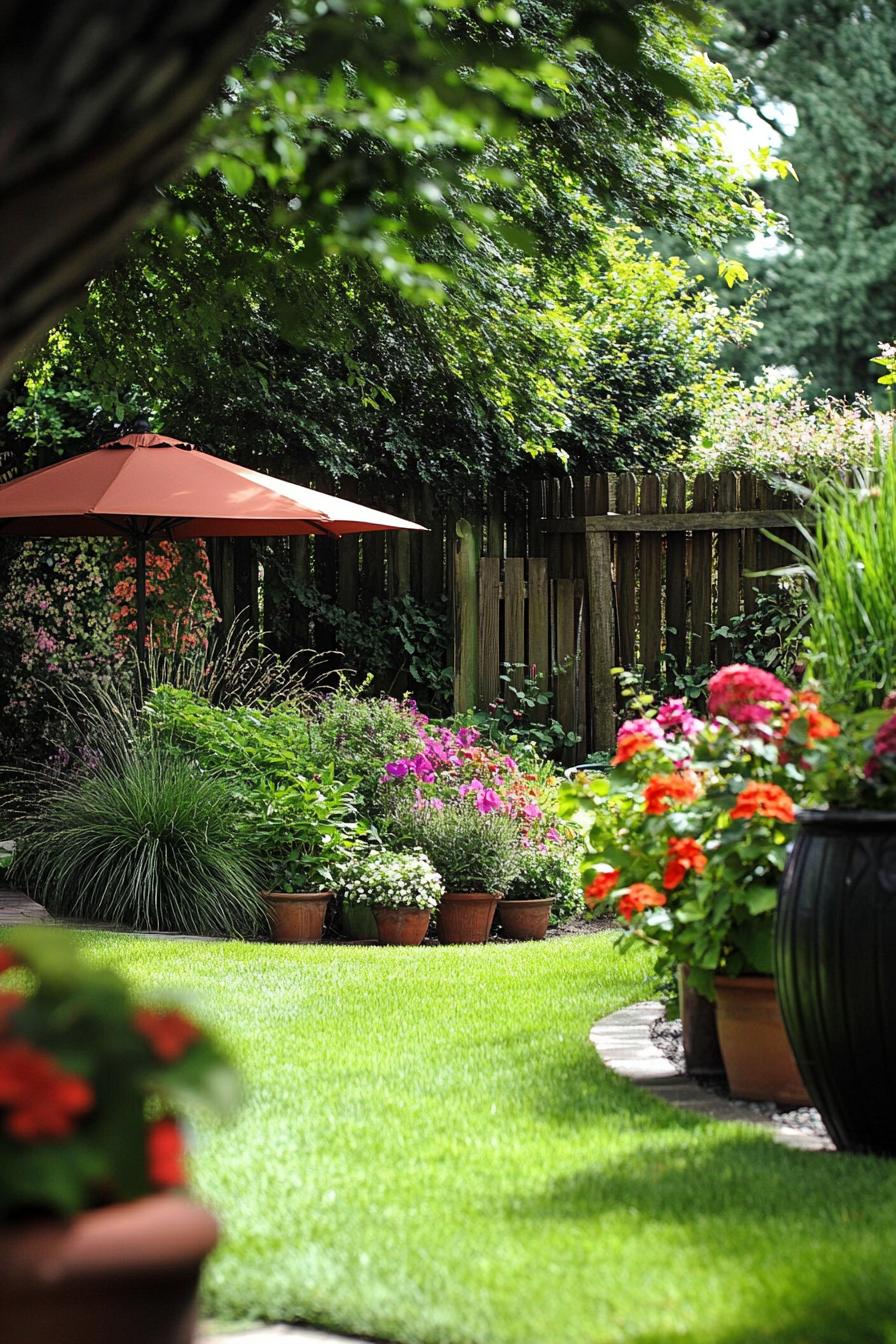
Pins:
<point x="623" y="1042"/>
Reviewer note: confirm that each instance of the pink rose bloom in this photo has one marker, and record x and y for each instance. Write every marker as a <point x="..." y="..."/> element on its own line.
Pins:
<point x="675" y="717"/>
<point x="649" y="726"/>
<point x="745" y="694"/>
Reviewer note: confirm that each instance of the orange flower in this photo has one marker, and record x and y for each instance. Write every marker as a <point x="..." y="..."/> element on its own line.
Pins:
<point x="768" y="800"/>
<point x="818" y="725"/>
<point x="170" y="1034"/>
<point x="638" y="897"/>
<point x="165" y="1153"/>
<point x="630" y="745"/>
<point x="600" y="887"/>
<point x="685" y="855"/>
<point x="660" y="790"/>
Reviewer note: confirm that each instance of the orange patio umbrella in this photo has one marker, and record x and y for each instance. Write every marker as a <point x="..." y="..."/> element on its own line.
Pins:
<point x="148" y="487"/>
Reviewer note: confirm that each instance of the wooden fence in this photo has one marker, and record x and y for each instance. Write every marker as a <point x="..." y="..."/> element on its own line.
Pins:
<point x="570" y="575"/>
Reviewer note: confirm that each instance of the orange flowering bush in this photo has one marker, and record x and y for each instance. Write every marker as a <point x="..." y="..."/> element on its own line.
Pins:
<point x="90" y="1084"/>
<point x="686" y="836"/>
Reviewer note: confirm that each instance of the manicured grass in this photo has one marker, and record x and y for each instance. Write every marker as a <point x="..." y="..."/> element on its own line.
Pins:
<point x="431" y="1151"/>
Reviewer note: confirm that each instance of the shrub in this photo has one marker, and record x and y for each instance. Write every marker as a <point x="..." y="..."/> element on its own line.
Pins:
<point x="546" y="871"/>
<point x="142" y="841"/>
<point x="357" y="735"/>
<point x="385" y="877"/>
<point x="471" y="850"/>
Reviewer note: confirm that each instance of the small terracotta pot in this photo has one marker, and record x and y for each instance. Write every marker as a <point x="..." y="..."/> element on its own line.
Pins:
<point x="404" y="927"/>
<point x="357" y="922"/>
<point x="699" y="1032"/>
<point x="124" y="1275"/>
<point x="297" y="916"/>
<point x="466" y="916"/>
<point x="525" y="919"/>
<point x="758" y="1059"/>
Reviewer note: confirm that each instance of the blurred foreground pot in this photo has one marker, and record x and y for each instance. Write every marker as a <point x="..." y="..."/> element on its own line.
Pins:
<point x="297" y="916"/>
<point x="466" y="916"/>
<point x="758" y="1059"/>
<point x="835" y="952"/>
<point x="126" y="1274"/>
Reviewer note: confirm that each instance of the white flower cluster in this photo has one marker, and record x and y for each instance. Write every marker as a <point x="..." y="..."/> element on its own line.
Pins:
<point x="385" y="877"/>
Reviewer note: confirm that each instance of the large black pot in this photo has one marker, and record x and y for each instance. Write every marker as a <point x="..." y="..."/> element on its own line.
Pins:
<point x="835" y="964"/>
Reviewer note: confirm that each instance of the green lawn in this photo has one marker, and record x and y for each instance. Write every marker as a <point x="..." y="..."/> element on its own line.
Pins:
<point x="432" y="1151"/>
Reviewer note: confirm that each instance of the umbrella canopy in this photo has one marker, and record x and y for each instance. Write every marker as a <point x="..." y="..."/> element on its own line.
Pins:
<point x="155" y="486"/>
<point x="148" y="486"/>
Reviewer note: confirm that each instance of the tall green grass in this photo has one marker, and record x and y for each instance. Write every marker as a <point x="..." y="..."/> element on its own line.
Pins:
<point x="143" y="842"/>
<point x="848" y="557"/>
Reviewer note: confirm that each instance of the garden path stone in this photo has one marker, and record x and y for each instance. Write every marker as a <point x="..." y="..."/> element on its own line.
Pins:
<point x="624" y="1043"/>
<point x="270" y="1334"/>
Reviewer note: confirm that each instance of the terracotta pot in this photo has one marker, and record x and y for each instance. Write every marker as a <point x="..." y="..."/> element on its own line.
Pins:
<point x="404" y="927"/>
<point x="466" y="916"/>
<point x="699" y="1032"/>
<point x="758" y="1059"/>
<point x="123" y="1275"/>
<point x="297" y="916"/>
<point x="357" y="922"/>
<point x="525" y="919"/>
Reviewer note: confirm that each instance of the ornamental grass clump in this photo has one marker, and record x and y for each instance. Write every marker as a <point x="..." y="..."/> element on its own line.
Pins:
<point x="849" y="559"/>
<point x="142" y="841"/>
<point x="385" y="877"/>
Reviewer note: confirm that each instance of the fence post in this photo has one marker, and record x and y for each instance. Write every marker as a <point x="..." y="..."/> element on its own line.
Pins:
<point x="466" y="615"/>
<point x="599" y="582"/>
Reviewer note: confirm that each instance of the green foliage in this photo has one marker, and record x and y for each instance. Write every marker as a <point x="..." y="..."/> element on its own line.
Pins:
<point x="849" y="558"/>
<point x="295" y="812"/>
<point x="470" y="851"/>
<point x="95" y="1047"/>
<point x="822" y="76"/>
<point x="519" y="720"/>
<point x="548" y="872"/>
<point x="141" y="841"/>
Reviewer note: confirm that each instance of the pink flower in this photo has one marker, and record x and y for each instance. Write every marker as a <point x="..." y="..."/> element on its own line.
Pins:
<point x="674" y="716"/>
<point x="488" y="801"/>
<point x="467" y="737"/>
<point x="884" y="745"/>
<point x="745" y="694"/>
<point x="648" y="726"/>
<point x="532" y="812"/>
<point x="397" y="769"/>
<point x="554" y="834"/>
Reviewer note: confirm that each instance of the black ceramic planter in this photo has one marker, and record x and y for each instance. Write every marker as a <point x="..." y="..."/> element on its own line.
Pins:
<point x="835" y="964"/>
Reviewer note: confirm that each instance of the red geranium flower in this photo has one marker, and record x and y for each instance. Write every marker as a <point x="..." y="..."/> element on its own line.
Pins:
<point x="165" y="1153"/>
<point x="685" y="855"/>
<point x="660" y="790"/>
<point x="44" y="1101"/>
<point x="600" y="887"/>
<point x="8" y="959"/>
<point x="638" y="897"/>
<point x="768" y="800"/>
<point x="630" y="745"/>
<point x="10" y="1002"/>
<point x="169" y="1033"/>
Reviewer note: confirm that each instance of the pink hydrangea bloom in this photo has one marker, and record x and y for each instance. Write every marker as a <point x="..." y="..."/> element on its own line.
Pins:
<point x="745" y="694"/>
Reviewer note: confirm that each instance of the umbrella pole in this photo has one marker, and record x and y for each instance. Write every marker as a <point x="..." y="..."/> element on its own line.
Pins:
<point x="140" y="540"/>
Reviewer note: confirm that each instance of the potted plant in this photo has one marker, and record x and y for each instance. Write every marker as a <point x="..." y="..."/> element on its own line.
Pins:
<point x="474" y="851"/>
<point x="302" y="829"/>
<point x="97" y="1239"/>
<point x="545" y="877"/>
<point x="691" y="851"/>
<point x="402" y="890"/>
<point x="836" y="932"/>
